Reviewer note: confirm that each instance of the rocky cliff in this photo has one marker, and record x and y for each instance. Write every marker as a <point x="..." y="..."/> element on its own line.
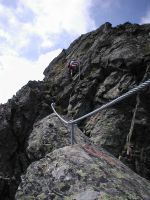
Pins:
<point x="112" y="61"/>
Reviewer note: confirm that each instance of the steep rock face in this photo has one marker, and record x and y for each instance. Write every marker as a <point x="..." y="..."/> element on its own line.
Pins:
<point x="113" y="60"/>
<point x="81" y="172"/>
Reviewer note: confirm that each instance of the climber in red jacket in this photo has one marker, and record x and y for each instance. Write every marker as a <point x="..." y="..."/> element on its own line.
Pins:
<point x="73" y="67"/>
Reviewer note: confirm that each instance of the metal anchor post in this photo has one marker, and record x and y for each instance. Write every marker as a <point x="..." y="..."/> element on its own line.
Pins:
<point x="72" y="133"/>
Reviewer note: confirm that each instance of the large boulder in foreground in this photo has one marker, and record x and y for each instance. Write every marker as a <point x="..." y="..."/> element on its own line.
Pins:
<point x="81" y="172"/>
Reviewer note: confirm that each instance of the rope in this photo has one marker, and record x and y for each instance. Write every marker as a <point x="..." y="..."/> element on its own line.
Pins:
<point x="129" y="136"/>
<point x="124" y="96"/>
<point x="107" y="105"/>
<point x="132" y="126"/>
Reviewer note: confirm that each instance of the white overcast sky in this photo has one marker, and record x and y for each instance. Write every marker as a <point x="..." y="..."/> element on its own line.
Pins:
<point x="33" y="32"/>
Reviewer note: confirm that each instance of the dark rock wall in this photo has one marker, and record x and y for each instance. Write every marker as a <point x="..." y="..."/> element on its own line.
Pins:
<point x="113" y="60"/>
<point x="16" y="123"/>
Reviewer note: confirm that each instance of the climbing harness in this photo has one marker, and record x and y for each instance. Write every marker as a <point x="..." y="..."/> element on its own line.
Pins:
<point x="71" y="123"/>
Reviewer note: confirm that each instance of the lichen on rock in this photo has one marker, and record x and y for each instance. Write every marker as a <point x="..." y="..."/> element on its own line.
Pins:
<point x="73" y="172"/>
